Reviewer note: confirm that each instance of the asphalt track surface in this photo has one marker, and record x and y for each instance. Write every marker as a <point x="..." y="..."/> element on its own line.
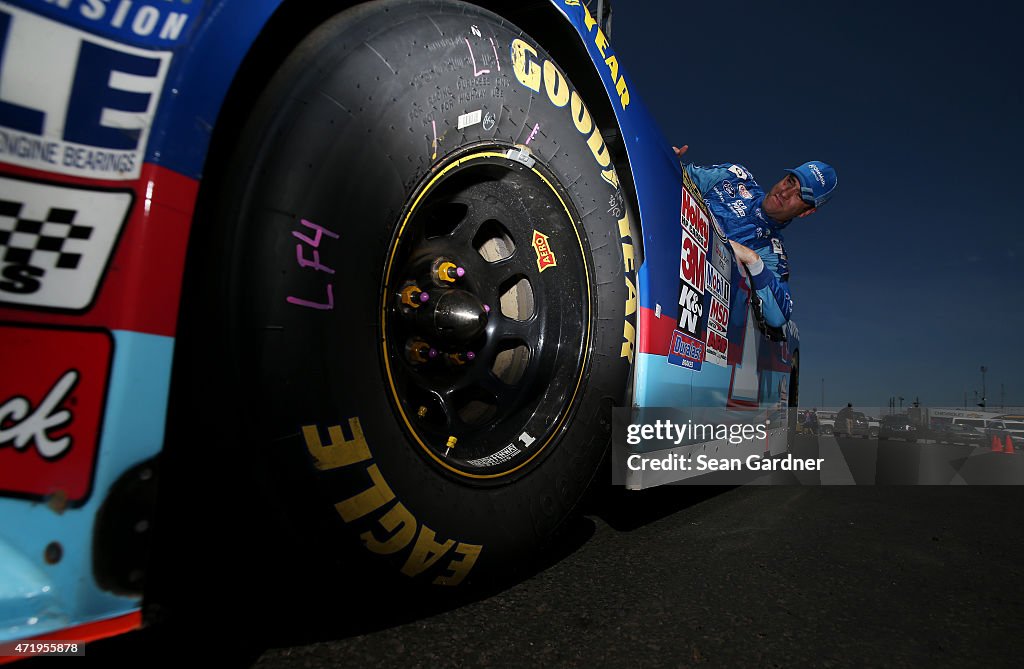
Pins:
<point x="679" y="576"/>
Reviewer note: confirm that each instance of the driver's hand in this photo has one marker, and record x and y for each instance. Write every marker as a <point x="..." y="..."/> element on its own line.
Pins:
<point x="680" y="150"/>
<point x="743" y="254"/>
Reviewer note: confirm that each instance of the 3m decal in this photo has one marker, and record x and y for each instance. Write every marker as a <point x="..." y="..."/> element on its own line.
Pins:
<point x="694" y="220"/>
<point x="691" y="264"/>
<point x="56" y="242"/>
<point x="88" y="112"/>
<point x="52" y="394"/>
<point x="717" y="352"/>
<point x="532" y="73"/>
<point x="390" y="527"/>
<point x="545" y="256"/>
<point x="690" y="309"/>
<point x="685" y="351"/>
<point x="716" y="283"/>
<point x="718" y="316"/>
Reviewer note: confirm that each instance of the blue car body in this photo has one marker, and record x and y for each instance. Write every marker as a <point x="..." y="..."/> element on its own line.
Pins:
<point x="88" y="366"/>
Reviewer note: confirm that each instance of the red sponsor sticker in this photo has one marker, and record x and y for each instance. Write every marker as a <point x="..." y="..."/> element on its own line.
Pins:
<point x="545" y="256"/>
<point x="691" y="264"/>
<point x="694" y="220"/>
<point x="51" y="408"/>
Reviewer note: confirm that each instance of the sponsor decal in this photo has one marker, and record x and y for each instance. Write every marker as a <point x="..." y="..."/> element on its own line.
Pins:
<point x="729" y="189"/>
<point x="717" y="350"/>
<point x="389" y="527"/>
<point x="718" y="316"/>
<point x="52" y="394"/>
<point x="545" y="256"/>
<point x="777" y="246"/>
<point x="693" y="219"/>
<point x="685" y="351"/>
<point x="690" y="309"/>
<point x="744" y="193"/>
<point x="56" y="242"/>
<point x="533" y="72"/>
<point x="152" y="23"/>
<point x="818" y="176"/>
<point x="716" y="284"/>
<point x="691" y="264"/>
<point x="720" y="257"/>
<point x="739" y="172"/>
<point x="737" y="207"/>
<point x="89" y="110"/>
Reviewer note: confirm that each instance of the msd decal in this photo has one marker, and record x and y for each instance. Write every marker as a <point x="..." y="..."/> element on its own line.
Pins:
<point x="685" y="351"/>
<point x="88" y="111"/>
<point x="52" y="394"/>
<point x="56" y="242"/>
<point x="718" y="316"/>
<point x="694" y="220"/>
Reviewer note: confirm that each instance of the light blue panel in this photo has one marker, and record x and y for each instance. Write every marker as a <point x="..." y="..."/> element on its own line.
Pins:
<point x="37" y="598"/>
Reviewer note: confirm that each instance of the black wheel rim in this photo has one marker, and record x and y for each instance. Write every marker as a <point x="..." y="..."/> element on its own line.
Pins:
<point x="485" y="313"/>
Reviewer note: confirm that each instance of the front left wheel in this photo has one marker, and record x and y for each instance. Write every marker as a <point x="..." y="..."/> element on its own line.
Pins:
<point x="425" y="303"/>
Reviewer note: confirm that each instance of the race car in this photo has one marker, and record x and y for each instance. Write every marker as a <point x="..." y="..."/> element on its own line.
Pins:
<point x="388" y="266"/>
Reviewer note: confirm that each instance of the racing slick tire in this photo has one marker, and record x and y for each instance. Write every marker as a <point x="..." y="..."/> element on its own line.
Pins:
<point x="425" y="304"/>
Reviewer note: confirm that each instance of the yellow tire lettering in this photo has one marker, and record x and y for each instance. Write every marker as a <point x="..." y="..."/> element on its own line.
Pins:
<point x="400" y="524"/>
<point x="629" y="345"/>
<point x="628" y="257"/>
<point x="425" y="553"/>
<point x="612" y="177"/>
<point x="369" y="500"/>
<point x="580" y="114"/>
<point x="599" y="149"/>
<point x="630" y="298"/>
<point x="524" y="64"/>
<point x="340" y="452"/>
<point x="458" y="569"/>
<point x="555" y="84"/>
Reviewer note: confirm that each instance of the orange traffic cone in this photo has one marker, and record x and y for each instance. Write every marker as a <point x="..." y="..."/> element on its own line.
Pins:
<point x="997" y="445"/>
<point x="1009" y="445"/>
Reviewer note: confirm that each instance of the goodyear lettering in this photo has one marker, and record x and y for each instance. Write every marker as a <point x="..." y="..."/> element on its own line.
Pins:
<point x="629" y="261"/>
<point x="601" y="42"/>
<point x="545" y="256"/>
<point x="530" y="72"/>
<point x="394" y="528"/>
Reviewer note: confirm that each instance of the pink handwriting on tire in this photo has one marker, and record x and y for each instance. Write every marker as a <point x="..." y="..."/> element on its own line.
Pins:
<point x="314" y="264"/>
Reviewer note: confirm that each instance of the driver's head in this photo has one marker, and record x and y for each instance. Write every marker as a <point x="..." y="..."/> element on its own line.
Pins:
<point x="800" y="192"/>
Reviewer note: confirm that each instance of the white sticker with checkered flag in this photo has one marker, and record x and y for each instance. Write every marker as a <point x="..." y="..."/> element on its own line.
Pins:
<point x="56" y="242"/>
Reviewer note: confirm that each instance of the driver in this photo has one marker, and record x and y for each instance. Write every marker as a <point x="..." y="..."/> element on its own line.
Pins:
<point x="753" y="220"/>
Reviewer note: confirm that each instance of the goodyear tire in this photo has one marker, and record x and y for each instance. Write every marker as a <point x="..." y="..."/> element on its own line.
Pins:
<point x="427" y="299"/>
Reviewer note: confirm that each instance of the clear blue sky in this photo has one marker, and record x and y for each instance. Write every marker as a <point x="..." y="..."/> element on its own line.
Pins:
<point x="910" y="279"/>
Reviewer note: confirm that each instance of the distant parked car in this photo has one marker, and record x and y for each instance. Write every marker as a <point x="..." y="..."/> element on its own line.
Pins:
<point x="873" y="427"/>
<point x="957" y="434"/>
<point x="897" y="427"/>
<point x="859" y="428"/>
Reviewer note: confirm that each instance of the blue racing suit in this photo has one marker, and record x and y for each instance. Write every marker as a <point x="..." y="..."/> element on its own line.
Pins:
<point x="735" y="199"/>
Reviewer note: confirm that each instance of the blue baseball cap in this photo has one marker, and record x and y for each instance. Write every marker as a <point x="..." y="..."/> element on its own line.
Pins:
<point x="817" y="181"/>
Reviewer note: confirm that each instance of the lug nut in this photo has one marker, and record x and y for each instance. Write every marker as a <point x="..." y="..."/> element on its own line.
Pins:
<point x="487" y="308"/>
<point x="418" y="351"/>
<point x="470" y="356"/>
<point x="449" y="272"/>
<point x="413" y="297"/>
<point x="433" y="353"/>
